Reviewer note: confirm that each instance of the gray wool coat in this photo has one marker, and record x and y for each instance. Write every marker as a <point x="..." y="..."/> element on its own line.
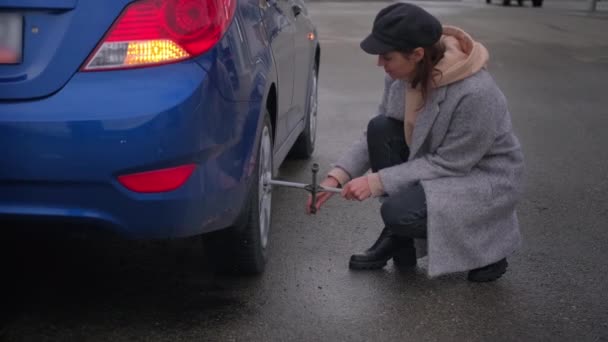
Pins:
<point x="470" y="164"/>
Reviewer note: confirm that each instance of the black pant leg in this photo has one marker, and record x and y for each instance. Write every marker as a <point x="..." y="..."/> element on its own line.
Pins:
<point x="405" y="213"/>
<point x="386" y="143"/>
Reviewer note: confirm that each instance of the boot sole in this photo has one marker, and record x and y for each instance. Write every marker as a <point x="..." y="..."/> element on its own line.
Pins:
<point x="366" y="265"/>
<point x="485" y="278"/>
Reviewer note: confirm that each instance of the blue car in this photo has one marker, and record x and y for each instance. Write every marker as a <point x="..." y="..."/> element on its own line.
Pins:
<point x="155" y="119"/>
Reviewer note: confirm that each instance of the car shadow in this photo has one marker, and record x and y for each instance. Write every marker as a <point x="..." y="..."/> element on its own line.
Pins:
<point x="54" y="286"/>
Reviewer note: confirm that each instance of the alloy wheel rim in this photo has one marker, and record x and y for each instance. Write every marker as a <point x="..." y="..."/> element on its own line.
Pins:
<point x="265" y="190"/>
<point x="313" y="108"/>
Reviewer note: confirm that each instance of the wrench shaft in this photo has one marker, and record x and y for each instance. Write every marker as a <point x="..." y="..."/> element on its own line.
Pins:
<point x="303" y="186"/>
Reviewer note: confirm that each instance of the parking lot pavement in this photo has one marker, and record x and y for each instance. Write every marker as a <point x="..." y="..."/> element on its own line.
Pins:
<point x="552" y="64"/>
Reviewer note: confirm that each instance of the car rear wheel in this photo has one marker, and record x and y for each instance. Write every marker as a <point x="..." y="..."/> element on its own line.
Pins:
<point x="537" y="3"/>
<point x="305" y="145"/>
<point x="242" y="249"/>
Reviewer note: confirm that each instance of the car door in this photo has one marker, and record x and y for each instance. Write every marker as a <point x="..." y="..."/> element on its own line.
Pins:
<point x="304" y="54"/>
<point x="280" y="27"/>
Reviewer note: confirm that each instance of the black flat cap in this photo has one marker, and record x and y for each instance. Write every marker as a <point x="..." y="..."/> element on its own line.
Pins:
<point x="402" y="27"/>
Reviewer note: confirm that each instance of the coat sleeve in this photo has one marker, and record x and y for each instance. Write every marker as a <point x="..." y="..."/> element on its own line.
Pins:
<point x="470" y="136"/>
<point x="355" y="161"/>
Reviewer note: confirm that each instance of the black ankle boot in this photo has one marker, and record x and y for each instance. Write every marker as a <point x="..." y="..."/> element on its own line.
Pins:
<point x="404" y="257"/>
<point x="488" y="273"/>
<point x="377" y="255"/>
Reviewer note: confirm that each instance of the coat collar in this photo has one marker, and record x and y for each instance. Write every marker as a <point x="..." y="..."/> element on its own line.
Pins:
<point x="426" y="119"/>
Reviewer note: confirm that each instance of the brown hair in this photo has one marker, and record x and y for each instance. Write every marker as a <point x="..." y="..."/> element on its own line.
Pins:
<point x="425" y="70"/>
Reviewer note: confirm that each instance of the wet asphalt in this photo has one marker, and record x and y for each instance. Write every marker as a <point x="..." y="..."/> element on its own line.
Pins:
<point x="552" y="64"/>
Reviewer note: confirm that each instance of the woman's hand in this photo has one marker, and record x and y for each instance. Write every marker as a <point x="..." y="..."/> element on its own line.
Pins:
<point x="357" y="189"/>
<point x="322" y="197"/>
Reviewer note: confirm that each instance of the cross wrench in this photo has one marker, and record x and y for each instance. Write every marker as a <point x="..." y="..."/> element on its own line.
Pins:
<point x="313" y="188"/>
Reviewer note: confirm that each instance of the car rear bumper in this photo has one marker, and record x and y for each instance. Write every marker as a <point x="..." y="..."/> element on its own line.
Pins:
<point x="62" y="154"/>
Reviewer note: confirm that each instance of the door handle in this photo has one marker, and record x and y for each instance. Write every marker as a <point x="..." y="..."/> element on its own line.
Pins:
<point x="297" y="10"/>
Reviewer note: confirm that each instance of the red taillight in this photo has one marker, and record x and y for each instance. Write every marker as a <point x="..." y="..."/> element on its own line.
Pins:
<point x="162" y="31"/>
<point x="158" y="180"/>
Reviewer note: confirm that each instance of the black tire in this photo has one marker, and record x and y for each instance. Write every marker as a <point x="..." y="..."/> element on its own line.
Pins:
<point x="537" y="3"/>
<point x="488" y="1"/>
<point x="241" y="250"/>
<point x="305" y="144"/>
<point x="506" y="2"/>
<point x="520" y="3"/>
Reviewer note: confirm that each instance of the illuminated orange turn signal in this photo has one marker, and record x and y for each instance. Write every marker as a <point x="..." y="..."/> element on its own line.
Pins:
<point x="154" y="51"/>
